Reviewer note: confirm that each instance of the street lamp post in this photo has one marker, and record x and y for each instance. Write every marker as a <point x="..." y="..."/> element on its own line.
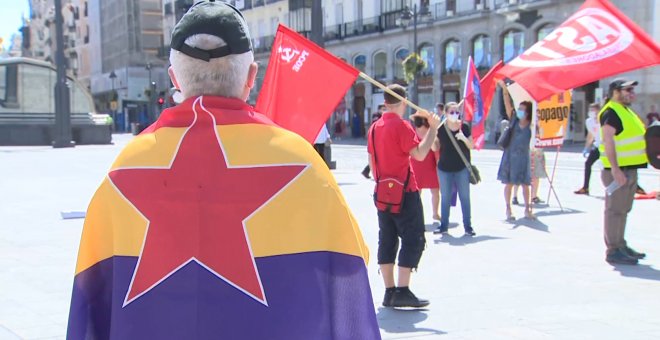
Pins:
<point x="62" y="131"/>
<point x="406" y="16"/>
<point x="150" y="99"/>
<point x="113" y="96"/>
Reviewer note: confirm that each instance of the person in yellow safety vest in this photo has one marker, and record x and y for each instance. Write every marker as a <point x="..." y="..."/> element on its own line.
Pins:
<point x="622" y="152"/>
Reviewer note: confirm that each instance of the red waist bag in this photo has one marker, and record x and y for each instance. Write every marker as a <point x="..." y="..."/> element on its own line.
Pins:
<point x="390" y="193"/>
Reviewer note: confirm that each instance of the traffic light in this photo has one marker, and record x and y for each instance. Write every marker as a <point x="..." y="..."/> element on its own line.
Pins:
<point x="161" y="101"/>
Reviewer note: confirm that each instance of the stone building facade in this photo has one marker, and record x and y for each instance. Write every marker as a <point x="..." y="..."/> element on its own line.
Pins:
<point x="370" y="34"/>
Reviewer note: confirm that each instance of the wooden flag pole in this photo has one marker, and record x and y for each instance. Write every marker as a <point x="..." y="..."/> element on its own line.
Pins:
<point x="384" y="88"/>
<point x="394" y="94"/>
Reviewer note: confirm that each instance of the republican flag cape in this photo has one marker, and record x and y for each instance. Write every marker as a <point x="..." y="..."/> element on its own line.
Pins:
<point x="474" y="106"/>
<point x="303" y="84"/>
<point x="217" y="224"/>
<point x="596" y="42"/>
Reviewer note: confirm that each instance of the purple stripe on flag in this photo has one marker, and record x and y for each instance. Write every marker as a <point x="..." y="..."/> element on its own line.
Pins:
<point x="320" y="295"/>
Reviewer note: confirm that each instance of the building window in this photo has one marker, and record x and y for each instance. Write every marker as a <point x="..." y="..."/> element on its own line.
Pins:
<point x="452" y="57"/>
<point x="339" y="13"/>
<point x="360" y="62"/>
<point x="481" y="51"/>
<point x="300" y="20"/>
<point x="451" y="5"/>
<point x="380" y="65"/>
<point x="544" y="31"/>
<point x="426" y="51"/>
<point x="388" y="6"/>
<point x="399" y="56"/>
<point x="513" y="44"/>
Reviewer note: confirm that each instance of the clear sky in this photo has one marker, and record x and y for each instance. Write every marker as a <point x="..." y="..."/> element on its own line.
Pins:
<point x="11" y="12"/>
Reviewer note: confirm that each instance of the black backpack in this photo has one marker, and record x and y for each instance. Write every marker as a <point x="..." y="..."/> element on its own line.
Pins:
<point x="652" y="137"/>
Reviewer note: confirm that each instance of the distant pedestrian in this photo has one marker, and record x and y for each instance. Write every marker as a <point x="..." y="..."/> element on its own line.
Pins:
<point x="652" y="116"/>
<point x="322" y="140"/>
<point x="440" y="110"/>
<point x="590" y="146"/>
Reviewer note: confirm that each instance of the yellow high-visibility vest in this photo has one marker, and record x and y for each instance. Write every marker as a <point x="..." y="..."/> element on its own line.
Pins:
<point x="629" y="145"/>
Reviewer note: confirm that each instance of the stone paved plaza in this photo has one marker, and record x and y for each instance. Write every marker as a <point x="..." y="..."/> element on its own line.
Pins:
<point x="524" y="280"/>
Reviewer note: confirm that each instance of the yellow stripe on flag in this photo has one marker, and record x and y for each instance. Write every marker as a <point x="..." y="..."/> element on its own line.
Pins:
<point x="309" y="215"/>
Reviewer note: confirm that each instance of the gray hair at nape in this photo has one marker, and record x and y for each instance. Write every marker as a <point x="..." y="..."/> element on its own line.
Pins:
<point x="224" y="76"/>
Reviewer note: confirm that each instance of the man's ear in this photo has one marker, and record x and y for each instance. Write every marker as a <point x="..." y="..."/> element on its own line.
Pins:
<point x="170" y="71"/>
<point x="252" y="75"/>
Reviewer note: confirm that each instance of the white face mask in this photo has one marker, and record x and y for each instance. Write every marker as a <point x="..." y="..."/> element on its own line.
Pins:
<point x="453" y="117"/>
<point x="592" y="114"/>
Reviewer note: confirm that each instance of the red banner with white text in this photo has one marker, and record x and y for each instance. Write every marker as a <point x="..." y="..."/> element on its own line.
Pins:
<point x="596" y="42"/>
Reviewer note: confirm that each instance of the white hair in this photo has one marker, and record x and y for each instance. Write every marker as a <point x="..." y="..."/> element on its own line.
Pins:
<point x="224" y="76"/>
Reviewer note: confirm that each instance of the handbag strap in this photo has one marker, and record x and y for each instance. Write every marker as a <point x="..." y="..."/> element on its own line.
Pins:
<point x="458" y="149"/>
<point x="375" y="169"/>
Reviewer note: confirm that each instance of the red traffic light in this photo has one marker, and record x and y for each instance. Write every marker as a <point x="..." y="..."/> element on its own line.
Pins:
<point x="161" y="101"/>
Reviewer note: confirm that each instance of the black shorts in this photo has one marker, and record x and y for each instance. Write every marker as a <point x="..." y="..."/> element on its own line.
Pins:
<point x="407" y="225"/>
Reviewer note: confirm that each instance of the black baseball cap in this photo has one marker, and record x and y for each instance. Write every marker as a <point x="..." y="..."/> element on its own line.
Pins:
<point x="215" y="18"/>
<point x="618" y="84"/>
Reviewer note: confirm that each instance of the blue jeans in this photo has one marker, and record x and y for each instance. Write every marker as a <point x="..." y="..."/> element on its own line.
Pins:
<point x="461" y="179"/>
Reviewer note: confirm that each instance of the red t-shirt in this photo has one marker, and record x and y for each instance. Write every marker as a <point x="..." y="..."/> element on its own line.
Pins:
<point x="394" y="139"/>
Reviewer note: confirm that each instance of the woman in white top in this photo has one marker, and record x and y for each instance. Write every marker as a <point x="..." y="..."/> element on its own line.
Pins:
<point x="591" y="146"/>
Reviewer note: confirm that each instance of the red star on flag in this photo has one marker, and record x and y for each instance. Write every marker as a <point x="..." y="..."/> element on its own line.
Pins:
<point x="196" y="210"/>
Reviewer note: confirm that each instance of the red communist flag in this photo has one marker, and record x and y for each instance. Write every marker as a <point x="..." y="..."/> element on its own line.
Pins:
<point x="489" y="85"/>
<point x="303" y="84"/>
<point x="597" y="41"/>
<point x="181" y="230"/>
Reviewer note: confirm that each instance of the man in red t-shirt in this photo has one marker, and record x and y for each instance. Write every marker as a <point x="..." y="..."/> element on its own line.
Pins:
<point x="391" y="143"/>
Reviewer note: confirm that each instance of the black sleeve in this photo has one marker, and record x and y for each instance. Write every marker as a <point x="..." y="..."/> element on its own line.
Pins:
<point x="467" y="131"/>
<point x="609" y="117"/>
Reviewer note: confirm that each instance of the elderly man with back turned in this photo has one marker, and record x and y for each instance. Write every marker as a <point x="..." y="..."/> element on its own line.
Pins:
<point x="216" y="223"/>
<point x="622" y="152"/>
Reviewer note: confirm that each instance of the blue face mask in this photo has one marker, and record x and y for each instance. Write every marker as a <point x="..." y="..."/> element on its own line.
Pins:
<point x="520" y="114"/>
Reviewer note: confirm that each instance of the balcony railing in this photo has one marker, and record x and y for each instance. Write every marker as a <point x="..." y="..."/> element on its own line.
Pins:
<point x="505" y="3"/>
<point x="388" y="21"/>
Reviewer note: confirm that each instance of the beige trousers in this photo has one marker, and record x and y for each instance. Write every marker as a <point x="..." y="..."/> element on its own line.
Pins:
<point x="617" y="207"/>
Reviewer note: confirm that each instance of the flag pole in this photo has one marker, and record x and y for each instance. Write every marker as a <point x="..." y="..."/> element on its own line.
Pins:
<point x="394" y="94"/>
<point x="552" y="179"/>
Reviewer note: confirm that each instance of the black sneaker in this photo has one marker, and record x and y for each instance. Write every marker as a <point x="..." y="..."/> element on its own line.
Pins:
<point x="389" y="294"/>
<point x="620" y="257"/>
<point x="537" y="200"/>
<point x="633" y="253"/>
<point x="470" y="232"/>
<point x="403" y="297"/>
<point x="440" y="230"/>
<point x="514" y="200"/>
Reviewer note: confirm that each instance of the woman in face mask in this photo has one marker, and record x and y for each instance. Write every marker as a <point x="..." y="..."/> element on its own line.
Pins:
<point x="590" y="146"/>
<point x="515" y="164"/>
<point x="451" y="168"/>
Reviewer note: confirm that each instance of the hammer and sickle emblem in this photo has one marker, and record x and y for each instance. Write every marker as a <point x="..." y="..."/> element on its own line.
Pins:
<point x="288" y="53"/>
